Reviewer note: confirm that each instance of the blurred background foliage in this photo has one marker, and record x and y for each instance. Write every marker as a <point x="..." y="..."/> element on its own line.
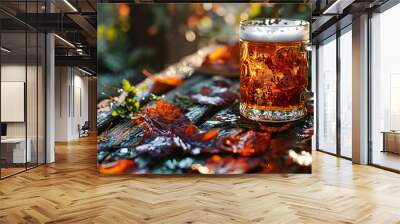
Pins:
<point x="132" y="37"/>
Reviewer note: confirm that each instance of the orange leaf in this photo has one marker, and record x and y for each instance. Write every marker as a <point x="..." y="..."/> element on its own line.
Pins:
<point x="211" y="134"/>
<point x="171" y="81"/>
<point x="119" y="167"/>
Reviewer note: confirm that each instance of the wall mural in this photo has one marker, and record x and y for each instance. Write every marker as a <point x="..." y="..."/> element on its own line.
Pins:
<point x="204" y="88"/>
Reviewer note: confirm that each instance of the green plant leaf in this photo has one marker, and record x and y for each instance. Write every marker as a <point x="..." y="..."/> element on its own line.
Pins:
<point x="126" y="85"/>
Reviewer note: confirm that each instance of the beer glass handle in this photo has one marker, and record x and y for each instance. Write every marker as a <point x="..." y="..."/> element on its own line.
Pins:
<point x="308" y="46"/>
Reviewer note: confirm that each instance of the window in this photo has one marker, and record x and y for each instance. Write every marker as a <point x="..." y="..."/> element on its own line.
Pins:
<point x="346" y="93"/>
<point x="22" y="101"/>
<point x="385" y="89"/>
<point x="327" y="96"/>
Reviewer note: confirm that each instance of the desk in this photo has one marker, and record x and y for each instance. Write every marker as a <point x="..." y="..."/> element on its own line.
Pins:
<point x="16" y="148"/>
<point x="391" y="141"/>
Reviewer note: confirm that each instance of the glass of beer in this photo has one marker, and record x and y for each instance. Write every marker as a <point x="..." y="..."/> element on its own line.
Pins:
<point x="273" y="69"/>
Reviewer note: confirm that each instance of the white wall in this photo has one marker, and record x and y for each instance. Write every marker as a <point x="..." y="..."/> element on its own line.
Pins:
<point x="33" y="127"/>
<point x="71" y="102"/>
<point x="61" y="114"/>
<point x="80" y="110"/>
<point x="15" y="72"/>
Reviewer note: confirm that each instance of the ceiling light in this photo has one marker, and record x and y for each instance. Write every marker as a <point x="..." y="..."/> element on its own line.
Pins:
<point x="65" y="41"/>
<point x="80" y="51"/>
<point x="5" y="50"/>
<point x="84" y="71"/>
<point x="70" y="5"/>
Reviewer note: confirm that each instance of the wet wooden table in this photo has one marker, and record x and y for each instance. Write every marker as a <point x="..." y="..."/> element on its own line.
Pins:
<point x="209" y="103"/>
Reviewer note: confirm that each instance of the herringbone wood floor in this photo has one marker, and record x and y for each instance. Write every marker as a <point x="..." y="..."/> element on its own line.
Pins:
<point x="70" y="191"/>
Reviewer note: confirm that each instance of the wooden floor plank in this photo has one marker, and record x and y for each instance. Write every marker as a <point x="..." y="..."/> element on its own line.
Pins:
<point x="70" y="191"/>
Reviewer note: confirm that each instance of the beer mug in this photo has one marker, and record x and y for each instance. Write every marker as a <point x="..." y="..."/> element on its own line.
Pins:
<point x="273" y="69"/>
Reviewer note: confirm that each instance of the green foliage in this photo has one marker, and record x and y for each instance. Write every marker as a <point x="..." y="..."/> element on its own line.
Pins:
<point x="117" y="47"/>
<point x="154" y="97"/>
<point x="109" y="84"/>
<point x="130" y="105"/>
<point x="183" y="101"/>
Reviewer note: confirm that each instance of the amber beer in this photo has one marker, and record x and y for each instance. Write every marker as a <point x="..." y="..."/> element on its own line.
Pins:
<point x="273" y="69"/>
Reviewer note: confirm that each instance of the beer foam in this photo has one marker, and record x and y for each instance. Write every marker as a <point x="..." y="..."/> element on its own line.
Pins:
<point x="274" y="30"/>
